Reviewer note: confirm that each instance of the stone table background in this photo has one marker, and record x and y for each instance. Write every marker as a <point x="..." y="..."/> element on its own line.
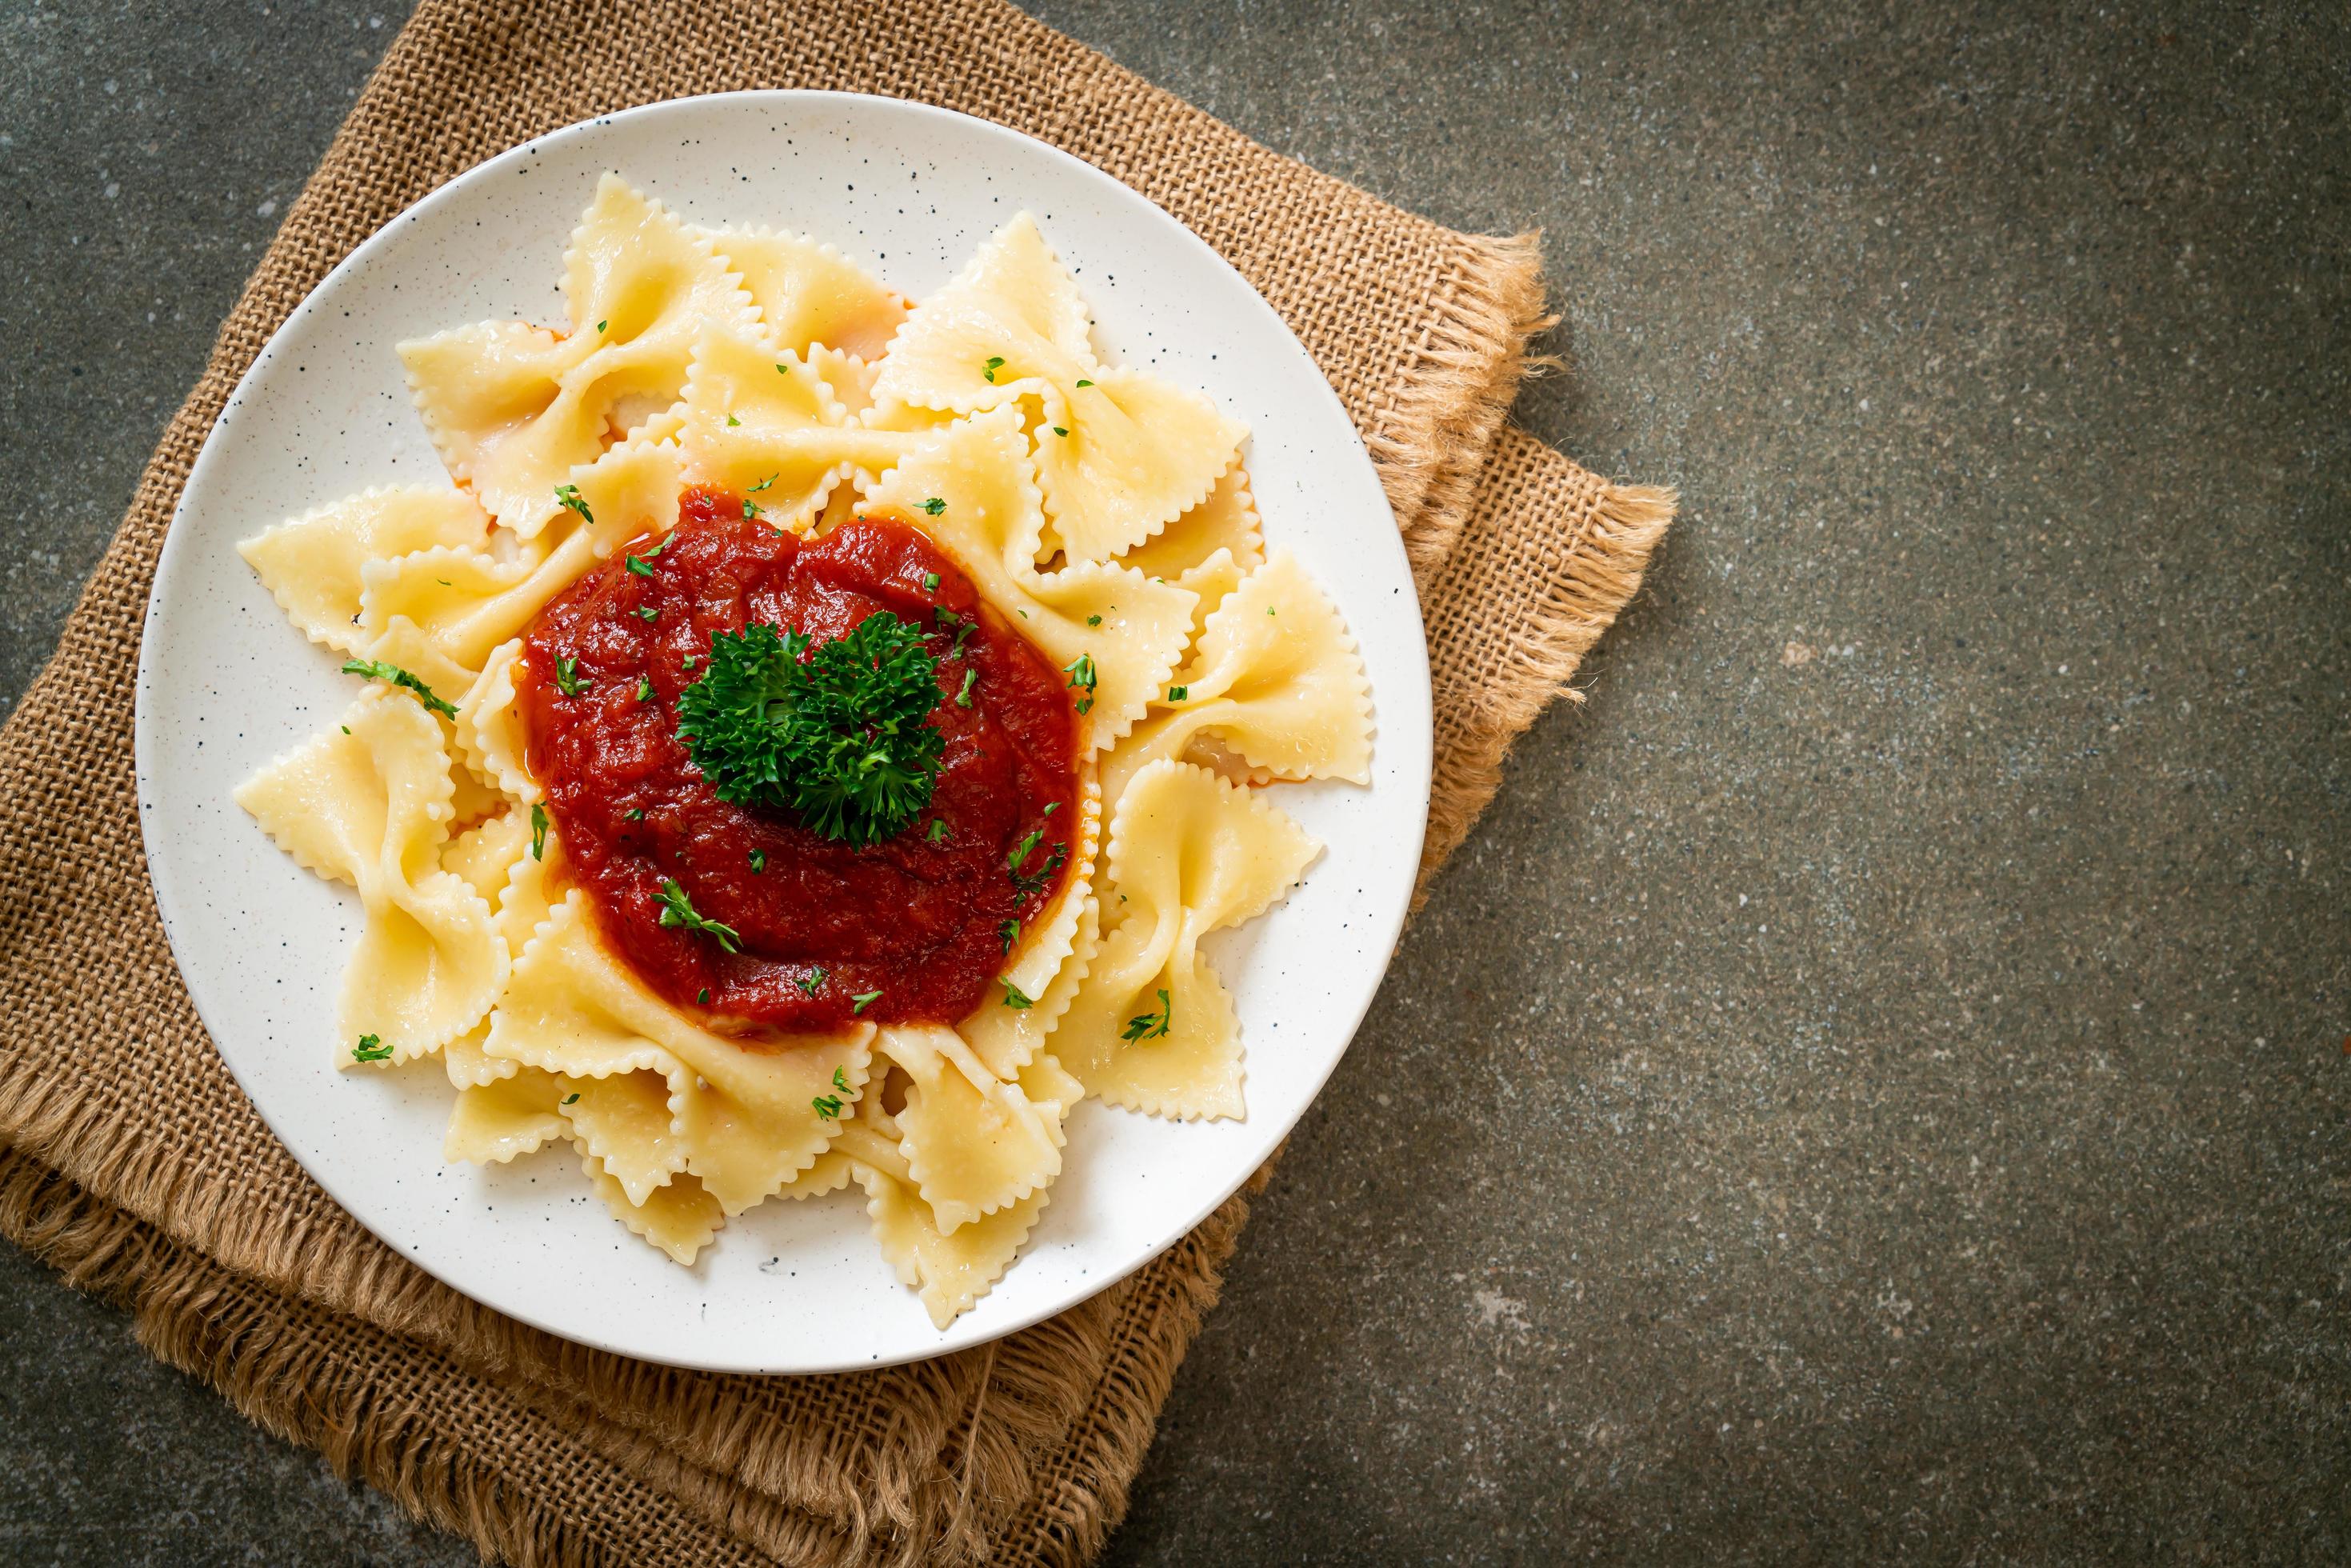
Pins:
<point x="1877" y="1080"/>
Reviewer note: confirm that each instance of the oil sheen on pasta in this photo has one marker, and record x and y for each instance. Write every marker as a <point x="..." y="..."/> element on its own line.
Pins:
<point x="921" y="918"/>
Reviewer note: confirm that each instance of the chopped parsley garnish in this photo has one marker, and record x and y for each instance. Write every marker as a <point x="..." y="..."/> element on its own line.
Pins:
<point x="1060" y="430"/>
<point x="937" y="832"/>
<point x="750" y="510"/>
<point x="763" y="484"/>
<point x="1150" y="1025"/>
<point x="1010" y="932"/>
<point x="701" y="996"/>
<point x="634" y="813"/>
<point x="569" y="496"/>
<point x="840" y="736"/>
<point x="828" y="1106"/>
<point x="1015" y="997"/>
<point x="1178" y="693"/>
<point x="935" y="504"/>
<point x="1083" y="383"/>
<point x="346" y="730"/>
<point x="813" y="981"/>
<point x="370" y="1049"/>
<point x="567" y="678"/>
<point x="646" y="612"/>
<point x="930" y="583"/>
<point x="677" y="909"/>
<point x="732" y="421"/>
<point x="644" y="688"/>
<point x="640" y="566"/>
<point x="970" y="679"/>
<point x="537" y="832"/>
<point x="572" y="1098"/>
<point x="945" y="620"/>
<point x="863" y="1000"/>
<point x="1051" y="807"/>
<point x="1081" y="670"/>
<point x="1027" y="884"/>
<point x="601" y="325"/>
<point x="377" y="670"/>
<point x="759" y="862"/>
<point x="988" y="371"/>
<point x="1094" y="619"/>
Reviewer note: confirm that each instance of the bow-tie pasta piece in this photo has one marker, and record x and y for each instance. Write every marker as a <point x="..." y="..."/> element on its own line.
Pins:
<point x="1119" y="454"/>
<point x="951" y="1271"/>
<point x="1152" y="1028"/>
<point x="1276" y="677"/>
<point x="771" y="430"/>
<point x="488" y="728"/>
<point x="1115" y="633"/>
<point x="452" y="609"/>
<point x="500" y="1121"/>
<point x="972" y="1142"/>
<point x="681" y="1218"/>
<point x="369" y="805"/>
<point x="1210" y="548"/>
<point x="487" y="853"/>
<point x="1007" y="1038"/>
<point x="514" y="408"/>
<point x="312" y="565"/>
<point x="808" y="293"/>
<point x="667" y="1095"/>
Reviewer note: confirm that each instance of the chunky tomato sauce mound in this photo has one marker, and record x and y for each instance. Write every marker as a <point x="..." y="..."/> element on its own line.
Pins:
<point x="919" y="918"/>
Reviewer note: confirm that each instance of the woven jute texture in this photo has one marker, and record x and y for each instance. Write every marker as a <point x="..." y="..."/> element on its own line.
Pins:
<point x="129" y="1160"/>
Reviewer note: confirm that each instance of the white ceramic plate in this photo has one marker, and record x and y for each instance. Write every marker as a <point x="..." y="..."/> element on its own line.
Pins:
<point x="226" y="684"/>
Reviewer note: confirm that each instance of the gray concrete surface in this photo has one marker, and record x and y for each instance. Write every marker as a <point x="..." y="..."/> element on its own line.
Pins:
<point x="1877" y="1081"/>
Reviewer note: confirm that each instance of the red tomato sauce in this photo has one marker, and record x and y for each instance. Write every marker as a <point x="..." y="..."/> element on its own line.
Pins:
<point x="918" y="919"/>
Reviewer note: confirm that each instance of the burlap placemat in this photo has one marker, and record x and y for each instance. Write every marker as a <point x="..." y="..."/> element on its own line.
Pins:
<point x="133" y="1163"/>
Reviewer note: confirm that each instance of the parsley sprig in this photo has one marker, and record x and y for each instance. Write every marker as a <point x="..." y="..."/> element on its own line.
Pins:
<point x="677" y="909"/>
<point x="839" y="735"/>
<point x="1150" y="1025"/>
<point x="370" y="1049"/>
<point x="377" y="670"/>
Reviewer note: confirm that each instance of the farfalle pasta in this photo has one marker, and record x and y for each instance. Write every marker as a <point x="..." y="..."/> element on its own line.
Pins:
<point x="808" y="737"/>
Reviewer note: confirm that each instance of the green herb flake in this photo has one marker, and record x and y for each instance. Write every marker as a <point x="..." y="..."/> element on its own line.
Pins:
<point x="569" y="496"/>
<point x="1030" y="883"/>
<point x="1150" y="1025"/>
<point x="601" y="325"/>
<point x="828" y="1106"/>
<point x="567" y="678"/>
<point x="346" y="730"/>
<point x="1015" y="997"/>
<point x="937" y="832"/>
<point x="863" y="1000"/>
<point x="813" y="981"/>
<point x="732" y="422"/>
<point x="759" y="862"/>
<point x="537" y="832"/>
<point x="370" y="1049"/>
<point x="377" y="670"/>
<point x="677" y="910"/>
<point x="634" y="814"/>
<point x="970" y="679"/>
<point x="841" y="737"/>
<point x="701" y="996"/>
<point x="930" y="583"/>
<point x="646" y="612"/>
<point x="935" y="504"/>
<point x="640" y="566"/>
<point x="763" y="484"/>
<point x="1010" y="932"/>
<point x="1083" y="383"/>
<point x="988" y="371"/>
<point x="572" y="1098"/>
<point x="644" y="688"/>
<point x="1178" y="693"/>
<point x="1094" y="619"/>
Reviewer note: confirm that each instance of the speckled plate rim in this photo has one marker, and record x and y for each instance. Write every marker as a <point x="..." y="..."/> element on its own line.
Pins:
<point x="803" y="1287"/>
